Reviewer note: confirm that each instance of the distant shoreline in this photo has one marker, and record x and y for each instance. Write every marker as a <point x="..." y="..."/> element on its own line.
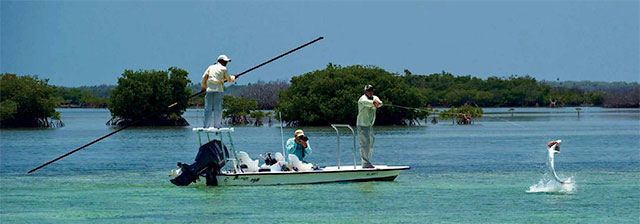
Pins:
<point x="515" y="112"/>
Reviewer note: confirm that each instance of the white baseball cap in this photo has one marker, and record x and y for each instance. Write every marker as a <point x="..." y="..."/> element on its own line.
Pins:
<point x="368" y="87"/>
<point x="223" y="57"/>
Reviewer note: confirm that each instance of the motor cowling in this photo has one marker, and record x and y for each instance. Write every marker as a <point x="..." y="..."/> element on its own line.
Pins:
<point x="208" y="162"/>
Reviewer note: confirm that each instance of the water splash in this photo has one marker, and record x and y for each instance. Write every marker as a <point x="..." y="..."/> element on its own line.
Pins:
<point x="553" y="186"/>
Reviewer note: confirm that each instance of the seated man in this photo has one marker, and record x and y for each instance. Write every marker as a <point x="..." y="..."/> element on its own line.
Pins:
<point x="299" y="145"/>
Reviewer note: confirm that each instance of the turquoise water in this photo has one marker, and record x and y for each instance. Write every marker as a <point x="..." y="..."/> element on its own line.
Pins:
<point x="459" y="174"/>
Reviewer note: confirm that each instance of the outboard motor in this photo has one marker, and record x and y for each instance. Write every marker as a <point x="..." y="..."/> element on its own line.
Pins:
<point x="208" y="162"/>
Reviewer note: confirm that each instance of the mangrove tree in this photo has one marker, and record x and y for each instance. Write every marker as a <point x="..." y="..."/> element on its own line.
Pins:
<point x="27" y="101"/>
<point x="330" y="96"/>
<point x="143" y="96"/>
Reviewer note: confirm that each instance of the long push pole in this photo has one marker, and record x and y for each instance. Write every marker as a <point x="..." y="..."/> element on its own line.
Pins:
<point x="279" y="56"/>
<point x="169" y="107"/>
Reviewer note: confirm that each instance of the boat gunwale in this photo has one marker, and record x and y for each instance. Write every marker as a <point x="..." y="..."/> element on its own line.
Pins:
<point x="395" y="168"/>
<point x="387" y="178"/>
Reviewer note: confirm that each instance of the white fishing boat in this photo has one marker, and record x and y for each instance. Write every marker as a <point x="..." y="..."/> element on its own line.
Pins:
<point x="323" y="175"/>
<point x="222" y="167"/>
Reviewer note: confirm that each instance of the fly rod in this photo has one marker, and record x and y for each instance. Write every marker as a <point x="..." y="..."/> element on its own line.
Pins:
<point x="168" y="107"/>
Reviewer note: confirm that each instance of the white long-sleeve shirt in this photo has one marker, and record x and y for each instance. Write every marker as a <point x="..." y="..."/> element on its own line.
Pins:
<point x="367" y="111"/>
<point x="217" y="75"/>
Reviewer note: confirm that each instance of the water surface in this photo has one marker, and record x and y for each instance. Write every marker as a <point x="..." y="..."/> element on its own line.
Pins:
<point x="464" y="174"/>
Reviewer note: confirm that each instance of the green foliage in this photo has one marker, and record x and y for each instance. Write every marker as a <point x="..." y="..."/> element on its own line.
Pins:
<point x="330" y="95"/>
<point x="197" y="101"/>
<point x="447" y="114"/>
<point x="576" y="97"/>
<point x="258" y="114"/>
<point x="607" y="94"/>
<point x="178" y="80"/>
<point x="79" y="97"/>
<point x="26" y="101"/>
<point x="595" y="97"/>
<point x="444" y="89"/>
<point x="474" y="112"/>
<point x="100" y="91"/>
<point x="8" y="110"/>
<point x="143" y="93"/>
<point x="461" y="113"/>
<point x="594" y="85"/>
<point x="237" y="108"/>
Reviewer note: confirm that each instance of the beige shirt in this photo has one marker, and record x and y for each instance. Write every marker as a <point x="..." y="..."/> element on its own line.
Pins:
<point x="367" y="111"/>
<point x="217" y="75"/>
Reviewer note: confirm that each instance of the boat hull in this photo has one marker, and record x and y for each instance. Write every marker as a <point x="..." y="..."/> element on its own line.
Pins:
<point x="326" y="175"/>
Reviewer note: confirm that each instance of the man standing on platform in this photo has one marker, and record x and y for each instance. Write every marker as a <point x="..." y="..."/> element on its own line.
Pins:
<point x="367" y="106"/>
<point x="213" y="83"/>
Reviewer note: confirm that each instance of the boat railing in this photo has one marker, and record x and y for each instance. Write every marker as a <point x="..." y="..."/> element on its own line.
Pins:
<point x="220" y="132"/>
<point x="335" y="127"/>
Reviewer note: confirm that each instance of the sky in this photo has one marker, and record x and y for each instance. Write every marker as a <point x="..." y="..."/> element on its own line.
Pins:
<point x="76" y="43"/>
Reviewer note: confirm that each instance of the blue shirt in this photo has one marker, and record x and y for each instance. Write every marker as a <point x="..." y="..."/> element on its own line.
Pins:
<point x="298" y="149"/>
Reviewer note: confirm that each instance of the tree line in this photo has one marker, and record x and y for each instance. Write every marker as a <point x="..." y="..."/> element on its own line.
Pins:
<point x="329" y="95"/>
<point x="444" y="90"/>
<point x="79" y="97"/>
<point x="314" y="98"/>
<point x="441" y="90"/>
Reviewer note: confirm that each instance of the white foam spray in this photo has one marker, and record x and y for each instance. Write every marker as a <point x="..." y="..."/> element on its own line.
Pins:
<point x="552" y="186"/>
